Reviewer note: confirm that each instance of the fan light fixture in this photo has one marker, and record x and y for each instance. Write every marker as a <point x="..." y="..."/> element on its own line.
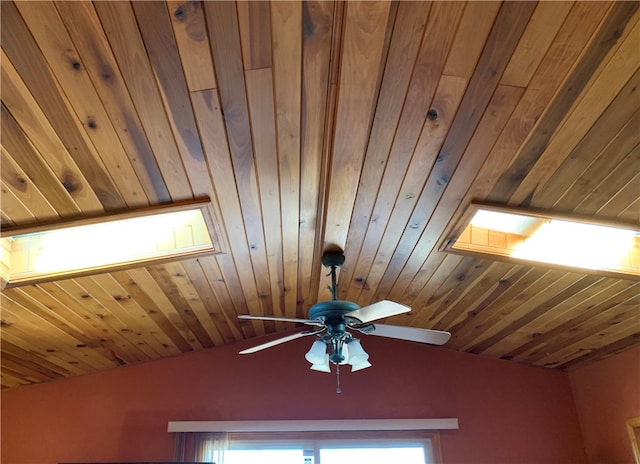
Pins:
<point x="332" y="320"/>
<point x="349" y="351"/>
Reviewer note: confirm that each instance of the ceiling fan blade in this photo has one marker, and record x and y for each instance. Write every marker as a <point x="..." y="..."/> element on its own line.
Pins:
<point x="277" y="341"/>
<point x="283" y="319"/>
<point x="433" y="337"/>
<point x="379" y="310"/>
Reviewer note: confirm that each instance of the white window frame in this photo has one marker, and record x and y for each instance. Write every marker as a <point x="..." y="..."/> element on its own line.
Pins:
<point x="314" y="434"/>
<point x="313" y="425"/>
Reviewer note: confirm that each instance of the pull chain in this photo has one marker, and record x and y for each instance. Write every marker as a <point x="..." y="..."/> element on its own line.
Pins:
<point x="338" y="389"/>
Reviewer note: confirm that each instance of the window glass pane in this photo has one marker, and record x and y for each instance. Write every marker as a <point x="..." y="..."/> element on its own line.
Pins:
<point x="272" y="456"/>
<point x="413" y="455"/>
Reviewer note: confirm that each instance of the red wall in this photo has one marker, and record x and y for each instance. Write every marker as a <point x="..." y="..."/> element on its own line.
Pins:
<point x="508" y="413"/>
<point x="607" y="393"/>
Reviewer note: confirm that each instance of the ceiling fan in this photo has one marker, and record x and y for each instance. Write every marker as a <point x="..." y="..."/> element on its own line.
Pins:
<point x="332" y="320"/>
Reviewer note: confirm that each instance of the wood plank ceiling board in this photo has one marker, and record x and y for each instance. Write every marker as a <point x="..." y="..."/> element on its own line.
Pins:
<point x="21" y="48"/>
<point x="406" y="39"/>
<point x="29" y="160"/>
<point x="499" y="110"/>
<point x="364" y="34"/>
<point x="561" y="55"/>
<point x="565" y="332"/>
<point x="609" y="81"/>
<point x="22" y="187"/>
<point x="261" y="105"/>
<point x="395" y="155"/>
<point x="606" y="37"/>
<point x="508" y="27"/>
<point x="190" y="31"/>
<point x="235" y="267"/>
<point x="255" y="34"/>
<point x="47" y="28"/>
<point x="99" y="62"/>
<point x="125" y="41"/>
<point x="157" y="33"/>
<point x="615" y="196"/>
<point x="25" y="110"/>
<point x="368" y="126"/>
<point x="286" y="33"/>
<point x="320" y="36"/>
<point x="227" y="56"/>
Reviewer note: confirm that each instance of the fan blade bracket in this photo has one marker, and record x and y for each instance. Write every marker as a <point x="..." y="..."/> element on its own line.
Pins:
<point x="365" y="328"/>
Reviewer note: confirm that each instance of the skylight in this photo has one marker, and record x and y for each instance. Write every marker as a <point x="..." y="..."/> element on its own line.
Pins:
<point x="107" y="243"/>
<point x="610" y="248"/>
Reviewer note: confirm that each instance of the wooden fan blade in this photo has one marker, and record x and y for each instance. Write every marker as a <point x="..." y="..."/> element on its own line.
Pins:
<point x="283" y="319"/>
<point x="379" y="310"/>
<point x="277" y="341"/>
<point x="433" y="337"/>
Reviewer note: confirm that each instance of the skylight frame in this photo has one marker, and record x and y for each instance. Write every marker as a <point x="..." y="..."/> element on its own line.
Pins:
<point x="449" y="243"/>
<point x="202" y="206"/>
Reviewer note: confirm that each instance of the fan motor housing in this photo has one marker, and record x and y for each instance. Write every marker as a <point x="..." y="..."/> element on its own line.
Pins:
<point x="332" y="309"/>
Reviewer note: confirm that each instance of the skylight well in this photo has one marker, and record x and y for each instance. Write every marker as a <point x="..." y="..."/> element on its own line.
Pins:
<point x="107" y="243"/>
<point x="568" y="242"/>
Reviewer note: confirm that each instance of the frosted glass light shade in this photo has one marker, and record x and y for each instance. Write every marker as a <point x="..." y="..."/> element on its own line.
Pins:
<point x="356" y="352"/>
<point x="345" y="353"/>
<point x="322" y="366"/>
<point x="317" y="353"/>
<point x="358" y="358"/>
<point x="359" y="366"/>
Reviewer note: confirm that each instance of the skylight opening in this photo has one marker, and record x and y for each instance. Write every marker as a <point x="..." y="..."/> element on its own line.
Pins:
<point x="506" y="233"/>
<point x="102" y="244"/>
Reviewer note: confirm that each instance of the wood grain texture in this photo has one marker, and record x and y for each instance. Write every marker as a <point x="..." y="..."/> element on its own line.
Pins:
<point x="25" y="55"/>
<point x="119" y="24"/>
<point x="365" y="26"/>
<point x="320" y="33"/>
<point x="62" y="58"/>
<point x="24" y="109"/>
<point x="233" y="100"/>
<point x="286" y="27"/>
<point x="255" y="33"/>
<point x="607" y="37"/>
<point x="368" y="126"/>
<point x="83" y="24"/>
<point x="190" y="31"/>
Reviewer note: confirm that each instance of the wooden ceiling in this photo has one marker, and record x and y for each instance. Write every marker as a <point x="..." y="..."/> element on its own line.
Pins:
<point x="366" y="126"/>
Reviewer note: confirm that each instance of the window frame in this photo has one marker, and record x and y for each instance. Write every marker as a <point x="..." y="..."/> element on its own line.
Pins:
<point x="426" y="430"/>
<point x="429" y="440"/>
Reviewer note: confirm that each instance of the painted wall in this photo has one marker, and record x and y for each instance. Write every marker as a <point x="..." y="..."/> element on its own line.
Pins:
<point x="508" y="413"/>
<point x="607" y="393"/>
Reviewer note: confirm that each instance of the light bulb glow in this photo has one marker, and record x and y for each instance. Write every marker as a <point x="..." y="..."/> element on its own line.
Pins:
<point x="577" y="244"/>
<point x="107" y="243"/>
<point x="599" y="245"/>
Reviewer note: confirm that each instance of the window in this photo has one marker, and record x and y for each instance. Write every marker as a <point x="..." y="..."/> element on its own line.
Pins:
<point x="119" y="241"/>
<point x="373" y="454"/>
<point x="564" y="241"/>
<point x="407" y="447"/>
<point x="410" y="441"/>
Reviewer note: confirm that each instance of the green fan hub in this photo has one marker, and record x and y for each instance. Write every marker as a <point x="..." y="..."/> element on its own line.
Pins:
<point x="334" y="309"/>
